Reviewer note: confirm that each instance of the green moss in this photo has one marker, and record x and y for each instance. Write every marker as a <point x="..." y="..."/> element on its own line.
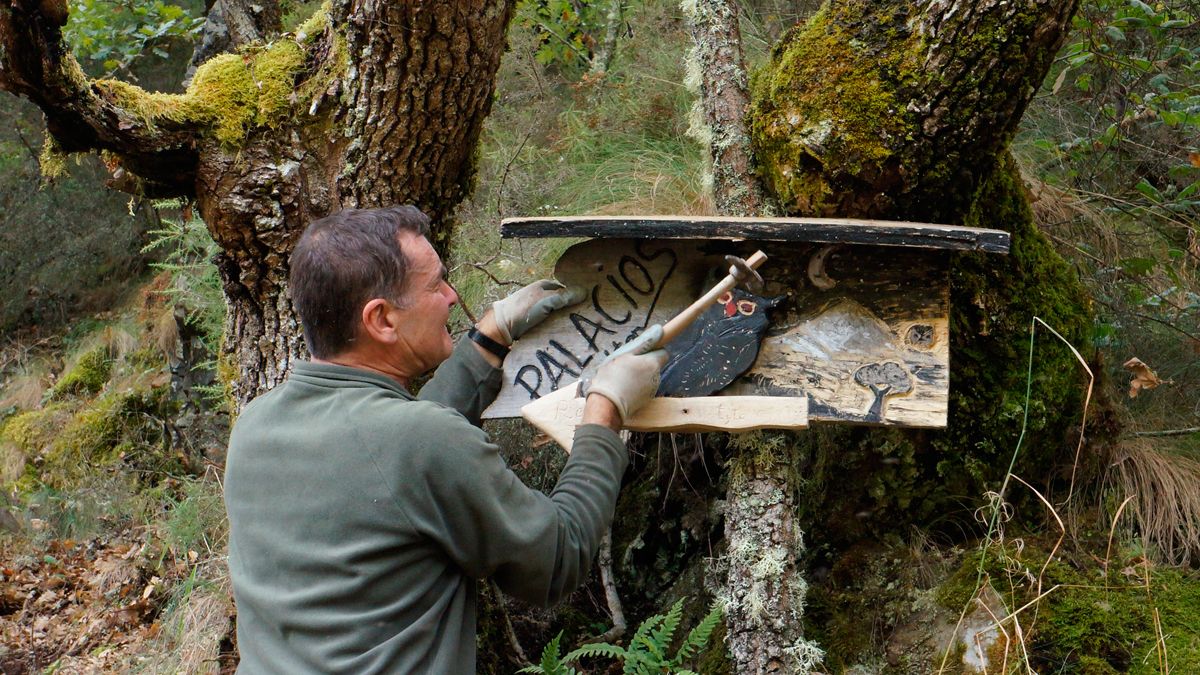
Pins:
<point x="232" y="94"/>
<point x="714" y="659"/>
<point x="825" y="110"/>
<point x="61" y="444"/>
<point x="87" y="376"/>
<point x="1086" y="623"/>
<point x="52" y="161"/>
<point x="314" y="25"/>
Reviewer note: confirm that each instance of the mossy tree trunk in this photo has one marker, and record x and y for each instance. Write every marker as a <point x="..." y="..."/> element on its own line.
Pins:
<point x="905" y="110"/>
<point x="372" y="103"/>
<point x="764" y="586"/>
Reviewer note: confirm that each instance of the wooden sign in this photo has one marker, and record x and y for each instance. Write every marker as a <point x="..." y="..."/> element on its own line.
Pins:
<point x="858" y="330"/>
<point x="714" y="413"/>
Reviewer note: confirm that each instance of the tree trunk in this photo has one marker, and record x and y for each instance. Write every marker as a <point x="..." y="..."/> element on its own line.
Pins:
<point x="382" y="104"/>
<point x="415" y="109"/>
<point x="890" y="110"/>
<point x="764" y="585"/>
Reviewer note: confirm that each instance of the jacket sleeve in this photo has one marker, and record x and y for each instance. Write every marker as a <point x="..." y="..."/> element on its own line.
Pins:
<point x="465" y="382"/>
<point x="537" y="547"/>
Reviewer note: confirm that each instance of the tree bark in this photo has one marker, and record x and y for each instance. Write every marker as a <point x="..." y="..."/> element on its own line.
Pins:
<point x="402" y="130"/>
<point x="229" y="24"/>
<point x="717" y="73"/>
<point x="764" y="586"/>
<point x="415" y="109"/>
<point x="900" y="111"/>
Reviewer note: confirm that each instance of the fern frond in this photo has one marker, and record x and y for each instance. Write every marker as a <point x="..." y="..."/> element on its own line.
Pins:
<point x="640" y="663"/>
<point x="550" y="665"/>
<point x="597" y="649"/>
<point x="647" y="626"/>
<point x="662" y="636"/>
<point x="645" y="645"/>
<point x="698" y="636"/>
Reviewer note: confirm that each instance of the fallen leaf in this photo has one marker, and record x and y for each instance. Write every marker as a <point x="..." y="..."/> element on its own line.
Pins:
<point x="1143" y="377"/>
<point x="1194" y="158"/>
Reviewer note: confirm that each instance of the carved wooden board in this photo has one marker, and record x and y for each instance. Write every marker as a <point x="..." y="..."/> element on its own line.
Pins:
<point x="559" y="418"/>
<point x="861" y="331"/>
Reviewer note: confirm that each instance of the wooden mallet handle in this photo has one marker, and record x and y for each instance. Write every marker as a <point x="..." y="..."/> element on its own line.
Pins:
<point x="682" y="320"/>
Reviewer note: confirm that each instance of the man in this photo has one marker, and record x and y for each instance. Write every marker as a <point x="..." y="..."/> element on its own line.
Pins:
<point x="362" y="516"/>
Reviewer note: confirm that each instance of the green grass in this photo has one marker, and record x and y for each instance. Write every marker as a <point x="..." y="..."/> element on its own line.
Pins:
<point x="557" y="148"/>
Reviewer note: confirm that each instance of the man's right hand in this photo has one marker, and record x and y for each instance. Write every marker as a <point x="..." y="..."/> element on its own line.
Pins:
<point x="630" y="377"/>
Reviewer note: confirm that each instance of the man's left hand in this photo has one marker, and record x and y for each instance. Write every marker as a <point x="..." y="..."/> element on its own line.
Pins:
<point x="528" y="307"/>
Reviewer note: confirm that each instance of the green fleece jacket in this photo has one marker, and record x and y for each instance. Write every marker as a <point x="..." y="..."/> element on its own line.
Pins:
<point x="361" y="517"/>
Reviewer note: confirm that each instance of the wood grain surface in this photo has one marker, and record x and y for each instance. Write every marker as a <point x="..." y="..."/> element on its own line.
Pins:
<point x="816" y="230"/>
<point x="557" y="416"/>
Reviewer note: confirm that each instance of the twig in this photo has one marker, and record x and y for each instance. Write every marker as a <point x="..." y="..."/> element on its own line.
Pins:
<point x="1062" y="535"/>
<point x="504" y="176"/>
<point x="1086" y="401"/>
<point x="1169" y="432"/>
<point x="610" y="592"/>
<point x="37" y="158"/>
<point x="463" y="304"/>
<point x="509" y="632"/>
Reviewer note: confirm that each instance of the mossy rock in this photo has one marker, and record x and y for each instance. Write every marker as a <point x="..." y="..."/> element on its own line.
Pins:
<point x="62" y="444"/>
<point x="88" y="376"/>
<point x="1086" y="622"/>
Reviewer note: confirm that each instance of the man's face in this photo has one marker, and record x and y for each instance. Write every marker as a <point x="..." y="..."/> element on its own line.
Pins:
<point x="427" y="300"/>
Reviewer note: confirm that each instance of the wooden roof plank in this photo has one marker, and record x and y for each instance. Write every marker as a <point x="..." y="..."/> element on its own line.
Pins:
<point x="822" y="230"/>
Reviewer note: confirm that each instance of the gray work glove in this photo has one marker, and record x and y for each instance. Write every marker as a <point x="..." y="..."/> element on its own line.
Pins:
<point x="528" y="307"/>
<point x="629" y="376"/>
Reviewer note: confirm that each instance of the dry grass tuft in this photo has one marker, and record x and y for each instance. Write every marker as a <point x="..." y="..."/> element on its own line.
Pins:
<point x="1166" y="504"/>
<point x="204" y="623"/>
<point x="26" y="388"/>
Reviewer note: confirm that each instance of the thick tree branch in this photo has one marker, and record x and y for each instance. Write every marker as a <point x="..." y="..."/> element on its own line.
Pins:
<point x="877" y="111"/>
<point x="35" y="63"/>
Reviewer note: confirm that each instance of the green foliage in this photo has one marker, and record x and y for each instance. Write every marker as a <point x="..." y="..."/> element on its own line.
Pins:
<point x="567" y="30"/>
<point x="550" y="148"/>
<point x="194" y="519"/>
<point x="187" y="250"/>
<point x="1113" y="140"/>
<point x="552" y="662"/>
<point x="649" y="649"/>
<point x="109" y="35"/>
<point x="66" y="248"/>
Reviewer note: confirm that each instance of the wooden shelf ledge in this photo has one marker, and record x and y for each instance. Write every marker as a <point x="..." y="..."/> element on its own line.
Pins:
<point x="821" y="230"/>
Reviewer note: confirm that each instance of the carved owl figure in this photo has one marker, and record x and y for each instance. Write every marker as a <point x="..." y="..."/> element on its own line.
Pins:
<point x="719" y="346"/>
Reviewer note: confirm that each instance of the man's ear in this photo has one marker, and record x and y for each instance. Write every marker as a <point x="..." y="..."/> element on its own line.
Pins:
<point x="379" y="322"/>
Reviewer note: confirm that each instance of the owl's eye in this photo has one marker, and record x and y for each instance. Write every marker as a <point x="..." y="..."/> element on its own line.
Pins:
<point x="725" y="298"/>
<point x="746" y="306"/>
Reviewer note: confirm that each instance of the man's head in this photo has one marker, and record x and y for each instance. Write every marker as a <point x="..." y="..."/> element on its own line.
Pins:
<point x="367" y="281"/>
